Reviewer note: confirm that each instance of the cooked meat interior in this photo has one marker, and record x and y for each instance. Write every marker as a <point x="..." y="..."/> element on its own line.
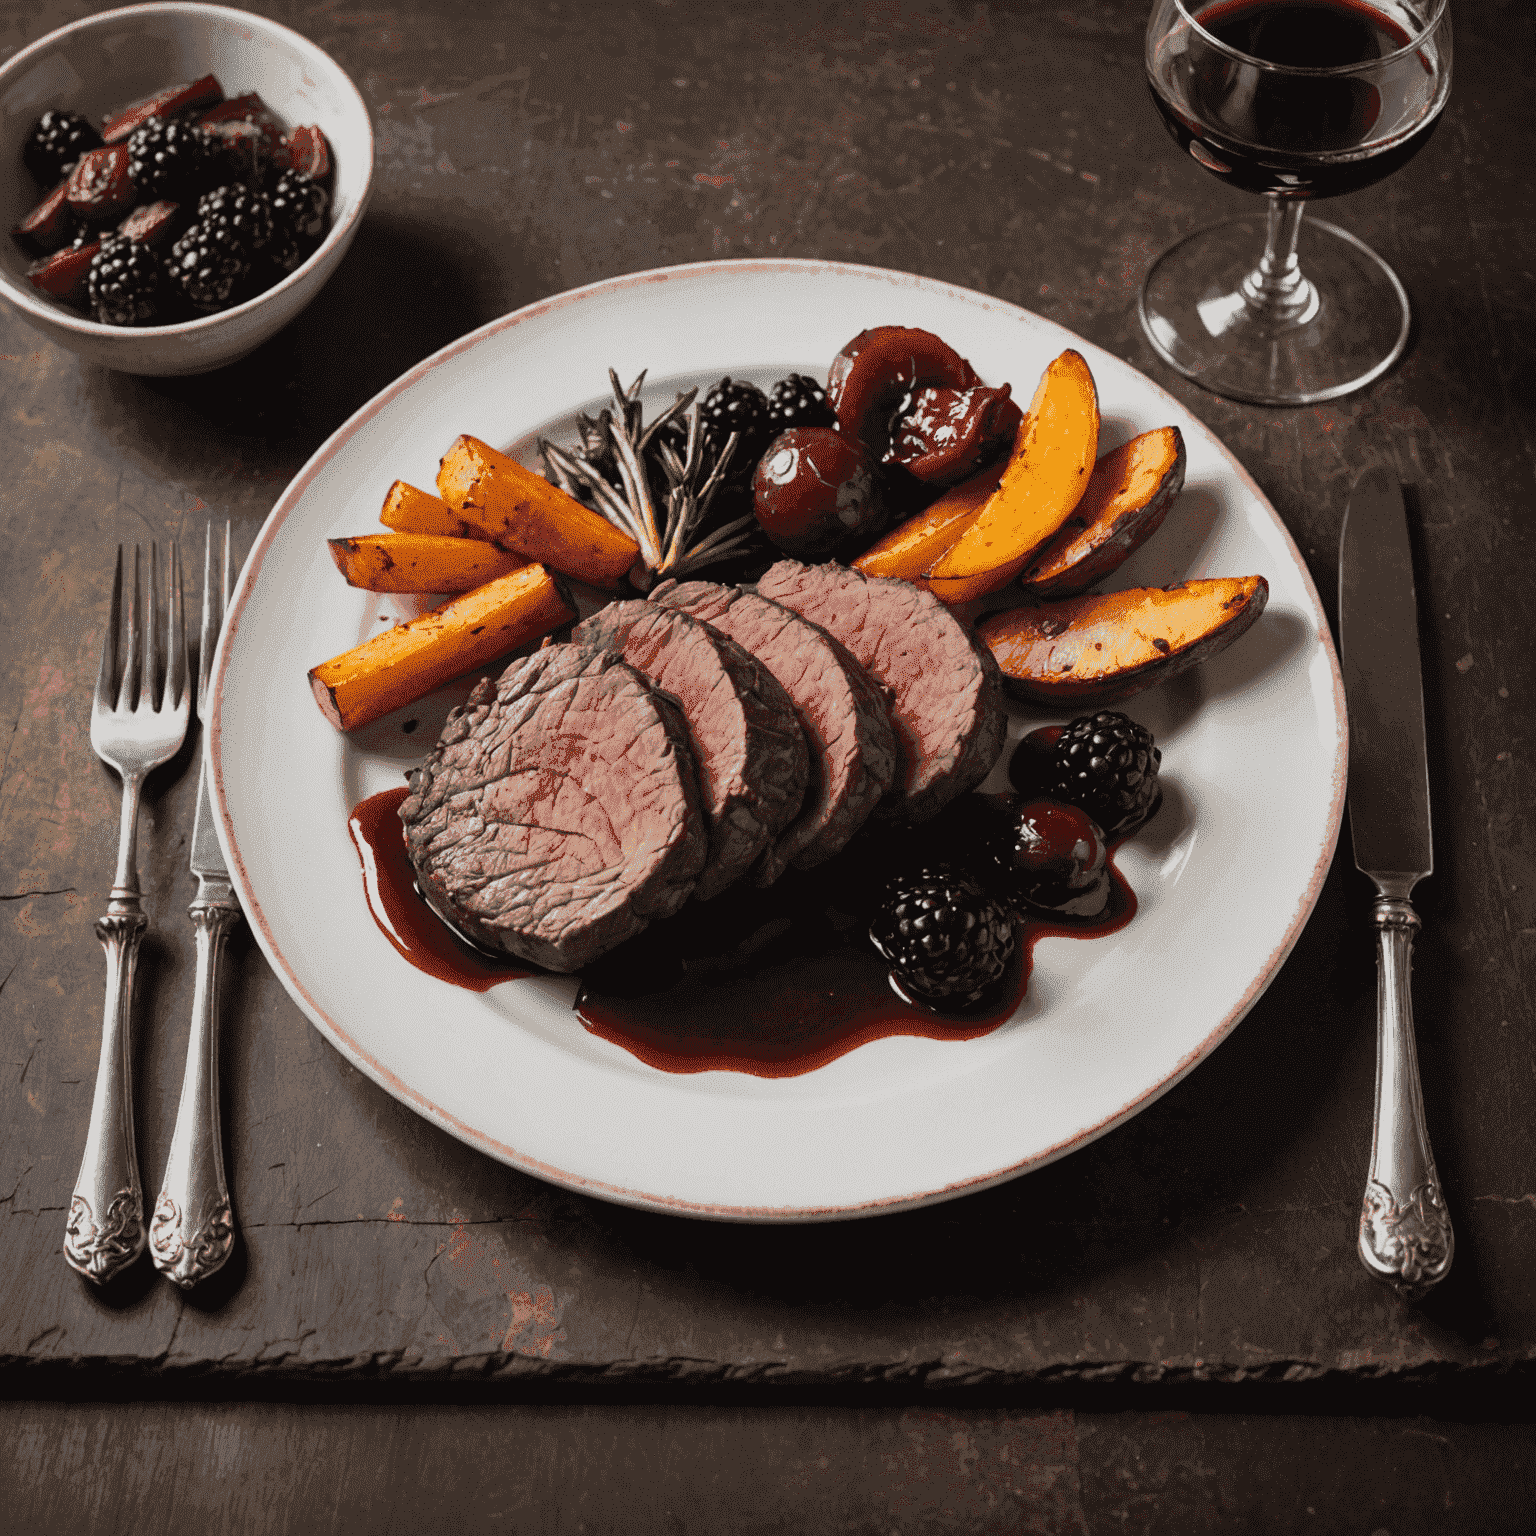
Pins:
<point x="841" y="711"/>
<point x="747" y="743"/>
<point x="946" y="692"/>
<point x="559" y="812"/>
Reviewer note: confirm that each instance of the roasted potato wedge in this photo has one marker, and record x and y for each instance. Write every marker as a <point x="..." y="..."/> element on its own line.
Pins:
<point x="908" y="550"/>
<point x="516" y="507"/>
<point x="420" y="562"/>
<point x="408" y="510"/>
<point x="409" y="661"/>
<point x="1106" y="646"/>
<point x="1128" y="496"/>
<point x="1045" y="478"/>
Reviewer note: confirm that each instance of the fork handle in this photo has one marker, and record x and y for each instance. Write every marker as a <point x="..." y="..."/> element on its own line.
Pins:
<point x="1405" y="1230"/>
<point x="105" y="1230"/>
<point x="193" y="1231"/>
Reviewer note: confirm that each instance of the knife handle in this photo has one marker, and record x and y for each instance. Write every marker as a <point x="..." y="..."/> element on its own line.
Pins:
<point x="1405" y="1229"/>
<point x="192" y="1231"/>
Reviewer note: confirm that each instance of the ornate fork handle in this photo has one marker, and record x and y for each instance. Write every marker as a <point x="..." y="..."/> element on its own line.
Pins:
<point x="193" y="1231"/>
<point x="1405" y="1229"/>
<point x="105" y="1230"/>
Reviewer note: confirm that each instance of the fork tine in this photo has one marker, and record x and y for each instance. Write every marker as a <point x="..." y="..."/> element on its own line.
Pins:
<point x="152" y="665"/>
<point x="106" y="677"/>
<point x="129" y="682"/>
<point x="176" y="667"/>
<point x="209" y="628"/>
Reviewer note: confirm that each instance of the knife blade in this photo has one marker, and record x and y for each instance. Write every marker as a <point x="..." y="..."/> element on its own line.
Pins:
<point x="1405" y="1235"/>
<point x="1379" y="640"/>
<point x="208" y="864"/>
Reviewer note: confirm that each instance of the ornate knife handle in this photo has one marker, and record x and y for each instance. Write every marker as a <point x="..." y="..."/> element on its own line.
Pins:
<point x="193" y="1231"/>
<point x="1405" y="1229"/>
<point x="105" y="1231"/>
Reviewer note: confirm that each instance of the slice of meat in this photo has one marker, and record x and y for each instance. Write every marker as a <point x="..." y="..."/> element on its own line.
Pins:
<point x="747" y="743"/>
<point x="946" y="691"/>
<point x="559" y="812"/>
<point x="841" y="711"/>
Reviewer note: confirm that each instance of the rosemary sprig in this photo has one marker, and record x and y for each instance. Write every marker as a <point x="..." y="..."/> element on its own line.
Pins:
<point x="622" y="435"/>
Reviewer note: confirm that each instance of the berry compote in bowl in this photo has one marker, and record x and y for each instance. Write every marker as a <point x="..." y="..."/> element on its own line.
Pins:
<point x="102" y="63"/>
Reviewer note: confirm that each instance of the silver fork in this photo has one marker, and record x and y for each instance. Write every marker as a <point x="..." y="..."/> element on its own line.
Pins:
<point x="135" y="727"/>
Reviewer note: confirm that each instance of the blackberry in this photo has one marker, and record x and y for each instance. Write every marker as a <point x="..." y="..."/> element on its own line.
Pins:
<point x="734" y="405"/>
<point x="241" y="214"/>
<point x="301" y="205"/>
<point x="947" y="941"/>
<point x="798" y="401"/>
<point x="123" y="282"/>
<point x="1105" y="764"/>
<point x="169" y="158"/>
<point x="243" y="151"/>
<point x="206" y="264"/>
<point x="56" y="141"/>
<point x="298" y="220"/>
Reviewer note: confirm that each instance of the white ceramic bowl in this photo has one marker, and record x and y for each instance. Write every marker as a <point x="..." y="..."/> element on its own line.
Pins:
<point x="106" y="61"/>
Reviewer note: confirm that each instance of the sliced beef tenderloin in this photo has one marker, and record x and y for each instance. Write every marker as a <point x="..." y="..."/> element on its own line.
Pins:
<point x="841" y="711"/>
<point x="946" y="692"/>
<point x="747" y="743"/>
<point x="559" y="812"/>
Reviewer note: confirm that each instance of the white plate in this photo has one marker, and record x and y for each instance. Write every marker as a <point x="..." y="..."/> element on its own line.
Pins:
<point x="1253" y="759"/>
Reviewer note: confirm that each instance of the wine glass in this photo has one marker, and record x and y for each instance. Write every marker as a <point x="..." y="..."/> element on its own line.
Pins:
<point x="1293" y="99"/>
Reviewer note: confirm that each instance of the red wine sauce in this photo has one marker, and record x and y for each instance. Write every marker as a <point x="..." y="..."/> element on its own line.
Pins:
<point x="772" y="983"/>
<point x="403" y="917"/>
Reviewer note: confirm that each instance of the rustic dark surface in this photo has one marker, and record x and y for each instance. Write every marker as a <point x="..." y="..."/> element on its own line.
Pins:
<point x="1140" y="1338"/>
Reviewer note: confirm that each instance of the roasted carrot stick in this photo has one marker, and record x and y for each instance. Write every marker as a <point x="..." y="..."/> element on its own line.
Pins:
<point x="408" y="510"/>
<point x="408" y="662"/>
<point x="511" y="504"/>
<point x="420" y="562"/>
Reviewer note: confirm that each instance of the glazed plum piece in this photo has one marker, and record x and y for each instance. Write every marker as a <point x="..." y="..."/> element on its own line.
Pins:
<point x="918" y="406"/>
<point x="876" y="371"/>
<point x="815" y="493"/>
<point x="905" y="417"/>
<point x="1054" y="859"/>
<point x="941" y="435"/>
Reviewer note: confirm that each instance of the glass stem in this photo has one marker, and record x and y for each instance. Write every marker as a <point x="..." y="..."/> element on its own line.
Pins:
<point x="1277" y="294"/>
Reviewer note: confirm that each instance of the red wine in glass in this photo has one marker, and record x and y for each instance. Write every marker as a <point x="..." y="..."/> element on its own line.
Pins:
<point x="1295" y="100"/>
<point x="1296" y="134"/>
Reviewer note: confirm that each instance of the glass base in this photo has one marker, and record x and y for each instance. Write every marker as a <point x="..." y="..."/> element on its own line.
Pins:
<point x="1351" y="327"/>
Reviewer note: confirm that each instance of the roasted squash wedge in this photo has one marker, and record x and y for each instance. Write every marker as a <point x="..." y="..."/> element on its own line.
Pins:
<point x="1106" y="646"/>
<point x="907" y="551"/>
<point x="1128" y="496"/>
<point x="1045" y="478"/>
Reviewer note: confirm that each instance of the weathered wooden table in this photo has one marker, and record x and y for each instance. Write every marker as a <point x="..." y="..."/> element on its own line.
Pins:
<point x="1169" y="1330"/>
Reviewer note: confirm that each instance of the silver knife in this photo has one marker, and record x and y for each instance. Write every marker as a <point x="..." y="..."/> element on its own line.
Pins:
<point x="192" y="1230"/>
<point x="1405" y="1230"/>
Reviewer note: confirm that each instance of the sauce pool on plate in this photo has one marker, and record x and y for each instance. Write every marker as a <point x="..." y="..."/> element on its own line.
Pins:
<point x="770" y="982"/>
